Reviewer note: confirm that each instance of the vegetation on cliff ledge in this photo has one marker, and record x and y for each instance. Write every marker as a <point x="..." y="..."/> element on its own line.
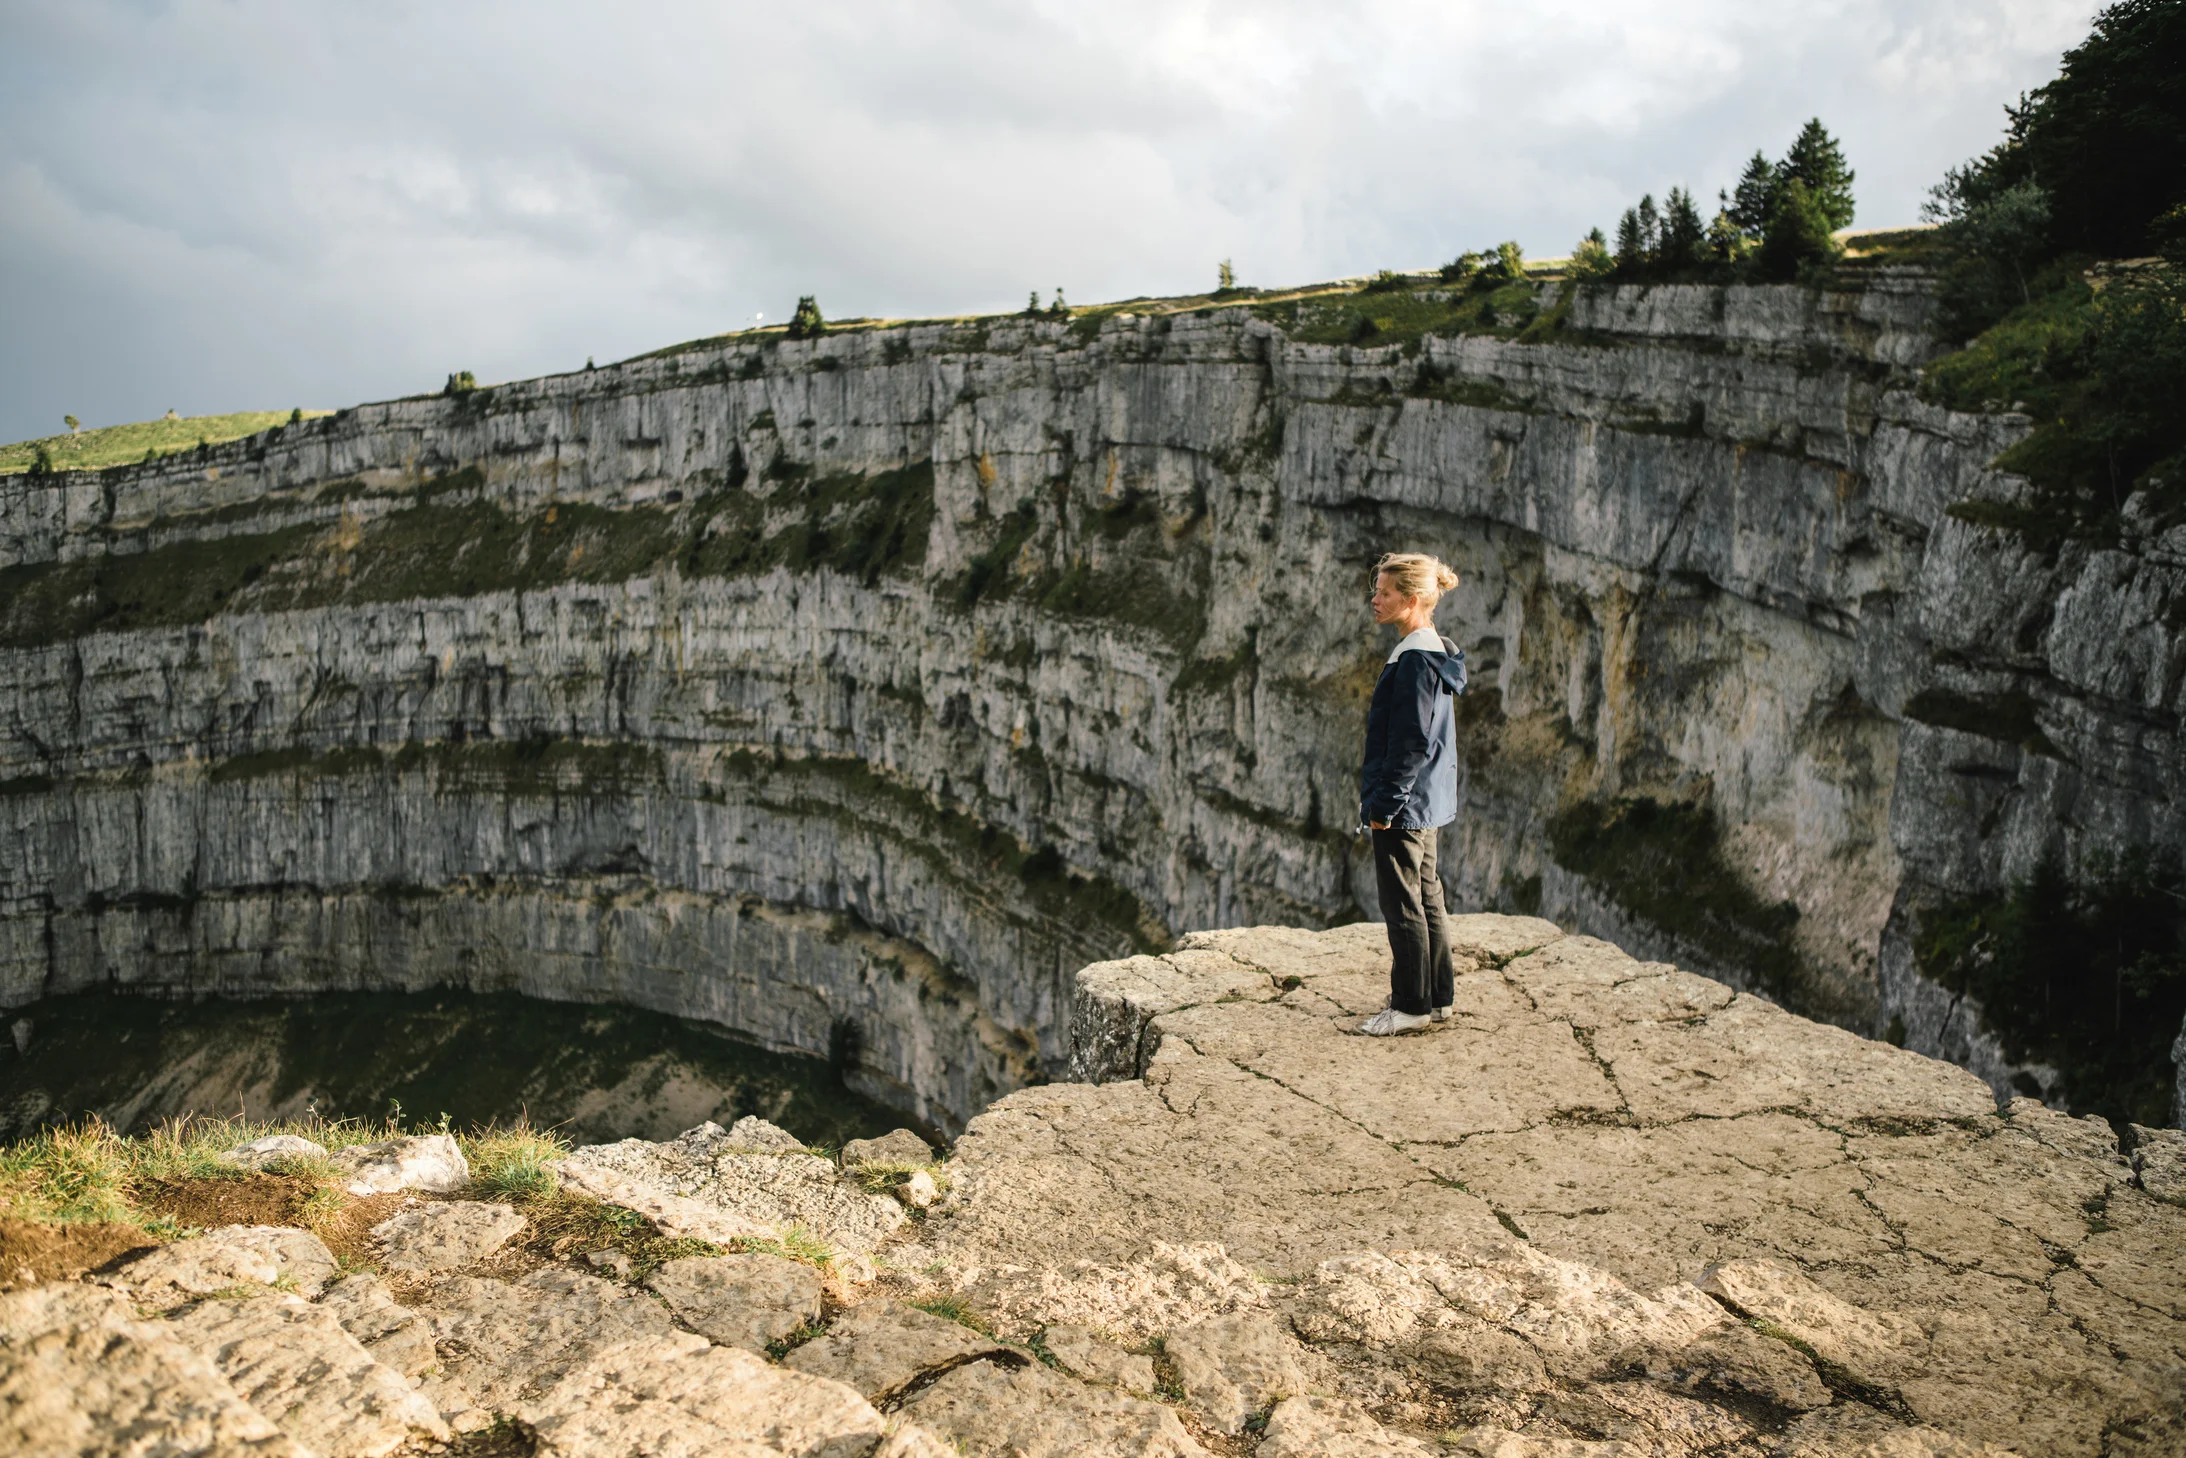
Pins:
<point x="2085" y="973"/>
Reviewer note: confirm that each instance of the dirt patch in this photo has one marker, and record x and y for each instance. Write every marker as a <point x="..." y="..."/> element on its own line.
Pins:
<point x="348" y="1230"/>
<point x="249" y="1199"/>
<point x="31" y="1252"/>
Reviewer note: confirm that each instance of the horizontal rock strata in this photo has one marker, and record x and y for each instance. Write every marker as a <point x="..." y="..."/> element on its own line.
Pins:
<point x="854" y="692"/>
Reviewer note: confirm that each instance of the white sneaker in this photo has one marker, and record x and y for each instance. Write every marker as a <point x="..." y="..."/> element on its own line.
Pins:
<point x="1389" y="1022"/>
<point x="1440" y="1014"/>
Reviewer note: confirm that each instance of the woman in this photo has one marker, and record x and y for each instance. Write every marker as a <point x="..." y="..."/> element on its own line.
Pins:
<point x="1408" y="787"/>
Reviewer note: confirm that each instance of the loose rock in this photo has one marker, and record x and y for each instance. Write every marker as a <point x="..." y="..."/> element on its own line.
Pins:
<point x="740" y="1300"/>
<point x="433" y="1163"/>
<point x="500" y="1338"/>
<point x="897" y="1147"/>
<point x="918" y="1191"/>
<point x="441" y="1237"/>
<point x="394" y="1334"/>
<point x="273" y="1148"/>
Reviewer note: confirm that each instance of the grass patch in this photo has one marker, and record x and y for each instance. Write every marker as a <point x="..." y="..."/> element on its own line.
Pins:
<point x="121" y="445"/>
<point x="444" y="546"/>
<point x="1404" y="312"/>
<point x="951" y="1307"/>
<point x="509" y="1161"/>
<point x="877" y="1178"/>
<point x="796" y="1244"/>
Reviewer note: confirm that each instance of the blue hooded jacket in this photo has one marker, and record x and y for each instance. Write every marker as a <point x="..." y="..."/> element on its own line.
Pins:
<point x="1409" y="778"/>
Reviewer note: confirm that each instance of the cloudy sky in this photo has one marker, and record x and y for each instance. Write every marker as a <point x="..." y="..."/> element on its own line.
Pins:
<point x="253" y="204"/>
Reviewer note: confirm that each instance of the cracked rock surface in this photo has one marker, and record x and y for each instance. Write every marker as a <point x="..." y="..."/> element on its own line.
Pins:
<point x="1608" y="1201"/>
<point x="1607" y="1210"/>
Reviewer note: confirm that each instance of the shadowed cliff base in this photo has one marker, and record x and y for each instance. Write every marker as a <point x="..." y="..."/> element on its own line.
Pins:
<point x="590" y="1072"/>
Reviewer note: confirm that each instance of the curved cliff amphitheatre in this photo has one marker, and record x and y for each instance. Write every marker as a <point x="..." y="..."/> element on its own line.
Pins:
<point x="1650" y="1215"/>
<point x="850" y="692"/>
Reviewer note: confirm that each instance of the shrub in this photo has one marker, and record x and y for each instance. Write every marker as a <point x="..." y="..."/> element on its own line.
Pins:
<point x="1590" y="258"/>
<point x="806" y="322"/>
<point x="462" y="382"/>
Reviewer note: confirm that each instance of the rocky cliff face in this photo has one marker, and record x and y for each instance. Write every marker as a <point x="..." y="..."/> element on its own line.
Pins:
<point x="852" y="691"/>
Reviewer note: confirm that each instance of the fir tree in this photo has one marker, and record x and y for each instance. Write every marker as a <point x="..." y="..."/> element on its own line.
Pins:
<point x="1815" y="160"/>
<point x="1650" y="228"/>
<point x="1748" y="207"/>
<point x="1631" y="244"/>
<point x="1682" y="233"/>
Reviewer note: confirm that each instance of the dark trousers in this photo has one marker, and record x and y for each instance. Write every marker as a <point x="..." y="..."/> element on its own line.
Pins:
<point x="1421" y="974"/>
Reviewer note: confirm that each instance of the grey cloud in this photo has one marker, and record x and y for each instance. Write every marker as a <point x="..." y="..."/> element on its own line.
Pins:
<point x="220" y="206"/>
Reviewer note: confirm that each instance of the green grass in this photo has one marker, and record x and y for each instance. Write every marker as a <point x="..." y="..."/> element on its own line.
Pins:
<point x="120" y="445"/>
<point x="1374" y="316"/>
<point x="445" y="546"/>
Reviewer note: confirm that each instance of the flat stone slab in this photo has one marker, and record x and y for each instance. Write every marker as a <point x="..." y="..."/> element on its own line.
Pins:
<point x="79" y="1374"/>
<point x="393" y="1333"/>
<point x="1236" y="1367"/>
<point x="666" y="1397"/>
<point x="1028" y="1411"/>
<point x="444" y="1236"/>
<point x="882" y="1347"/>
<point x="1628" y="1123"/>
<point x="293" y="1362"/>
<point x="1084" y="1353"/>
<point x="723" y="1186"/>
<point x="740" y="1300"/>
<point x="433" y="1163"/>
<point x="224" y="1259"/>
<point x="504" y="1339"/>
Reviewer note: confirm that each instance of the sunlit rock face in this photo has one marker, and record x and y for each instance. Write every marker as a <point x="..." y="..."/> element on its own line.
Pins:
<point x="854" y="691"/>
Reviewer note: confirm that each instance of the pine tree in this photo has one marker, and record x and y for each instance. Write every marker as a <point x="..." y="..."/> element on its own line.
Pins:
<point x="1228" y="276"/>
<point x="1650" y="227"/>
<point x="1631" y="244"/>
<point x="1749" y="206"/>
<point x="1816" y="160"/>
<point x="1682" y="233"/>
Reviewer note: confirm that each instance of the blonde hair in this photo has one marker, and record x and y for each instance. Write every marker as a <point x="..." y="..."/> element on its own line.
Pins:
<point x="1417" y="575"/>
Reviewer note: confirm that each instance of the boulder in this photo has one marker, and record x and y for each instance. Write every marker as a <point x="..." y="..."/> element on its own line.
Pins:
<point x="433" y="1163"/>
<point x="740" y="1300"/>
<point x="444" y="1236"/>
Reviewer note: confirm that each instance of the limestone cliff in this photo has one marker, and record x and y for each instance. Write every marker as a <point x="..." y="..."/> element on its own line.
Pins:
<point x="851" y="691"/>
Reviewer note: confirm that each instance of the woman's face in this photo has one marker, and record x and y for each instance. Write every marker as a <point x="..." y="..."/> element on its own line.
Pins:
<point x="1390" y="605"/>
